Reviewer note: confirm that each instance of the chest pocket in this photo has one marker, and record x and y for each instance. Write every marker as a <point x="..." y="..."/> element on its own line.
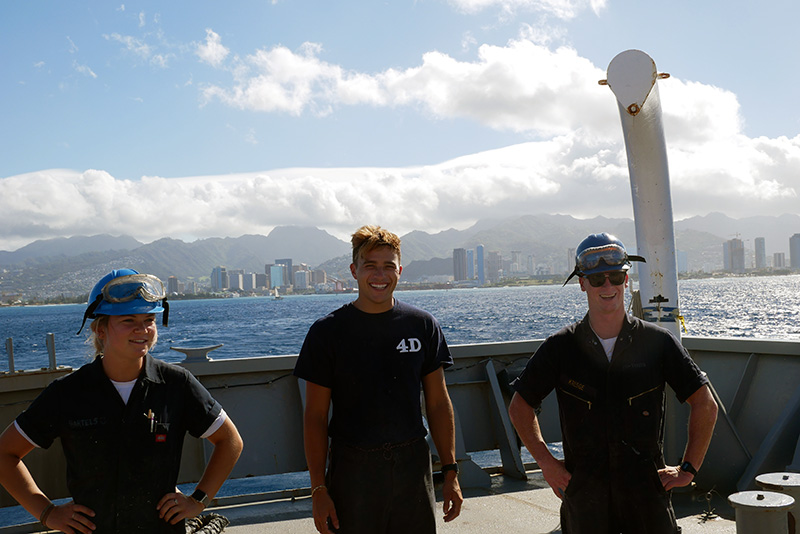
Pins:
<point x="643" y="414"/>
<point x="577" y="396"/>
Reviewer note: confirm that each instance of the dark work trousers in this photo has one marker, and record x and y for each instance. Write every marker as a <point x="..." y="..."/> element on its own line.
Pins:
<point x="629" y="500"/>
<point x="386" y="490"/>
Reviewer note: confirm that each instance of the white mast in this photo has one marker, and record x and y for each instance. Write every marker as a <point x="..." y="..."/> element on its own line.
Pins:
<point x="632" y="77"/>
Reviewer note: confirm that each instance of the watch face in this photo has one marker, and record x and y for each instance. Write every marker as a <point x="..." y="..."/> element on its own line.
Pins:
<point x="201" y="497"/>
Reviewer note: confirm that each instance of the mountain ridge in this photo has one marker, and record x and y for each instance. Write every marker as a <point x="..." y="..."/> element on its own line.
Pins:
<point x="69" y="265"/>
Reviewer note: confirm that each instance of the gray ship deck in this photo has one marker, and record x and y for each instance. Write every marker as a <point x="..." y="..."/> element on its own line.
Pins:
<point x="509" y="506"/>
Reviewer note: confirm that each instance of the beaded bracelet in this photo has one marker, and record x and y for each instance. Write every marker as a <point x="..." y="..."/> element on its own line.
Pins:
<point x="45" y="513"/>
<point x="321" y="486"/>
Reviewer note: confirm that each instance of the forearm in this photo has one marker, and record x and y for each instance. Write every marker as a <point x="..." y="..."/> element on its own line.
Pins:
<point x="17" y="480"/>
<point x="702" y="419"/>
<point x="14" y="474"/>
<point x="315" y="441"/>
<point x="527" y="425"/>
<point x="227" y="449"/>
<point x="443" y="430"/>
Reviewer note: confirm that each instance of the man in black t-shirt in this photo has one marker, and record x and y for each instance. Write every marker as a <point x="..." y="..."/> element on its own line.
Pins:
<point x="371" y="359"/>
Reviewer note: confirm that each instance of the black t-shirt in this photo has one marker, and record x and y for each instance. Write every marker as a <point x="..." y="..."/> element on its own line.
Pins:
<point x="117" y="463"/>
<point x="373" y="364"/>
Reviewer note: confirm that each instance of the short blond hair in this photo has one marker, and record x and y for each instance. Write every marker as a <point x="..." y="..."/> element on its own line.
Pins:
<point x="94" y="338"/>
<point x="370" y="237"/>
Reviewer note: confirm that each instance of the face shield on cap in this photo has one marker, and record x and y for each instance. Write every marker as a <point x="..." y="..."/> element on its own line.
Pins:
<point x="126" y="292"/>
<point x="601" y="253"/>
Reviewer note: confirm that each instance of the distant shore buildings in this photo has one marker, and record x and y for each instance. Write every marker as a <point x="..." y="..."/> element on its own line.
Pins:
<point x="284" y="275"/>
<point x="735" y="256"/>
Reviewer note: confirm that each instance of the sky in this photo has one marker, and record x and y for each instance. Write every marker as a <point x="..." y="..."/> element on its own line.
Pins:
<point x="212" y="119"/>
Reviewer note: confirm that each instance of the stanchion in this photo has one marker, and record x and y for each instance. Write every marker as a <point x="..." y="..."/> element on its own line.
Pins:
<point x="761" y="512"/>
<point x="788" y="484"/>
<point x="10" y="351"/>
<point x="50" y="341"/>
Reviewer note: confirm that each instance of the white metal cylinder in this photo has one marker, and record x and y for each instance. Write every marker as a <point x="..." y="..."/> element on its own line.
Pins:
<point x="761" y="512"/>
<point x="788" y="484"/>
<point x="632" y="77"/>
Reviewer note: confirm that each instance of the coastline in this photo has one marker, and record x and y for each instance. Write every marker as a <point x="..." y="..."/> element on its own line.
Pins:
<point x="541" y="280"/>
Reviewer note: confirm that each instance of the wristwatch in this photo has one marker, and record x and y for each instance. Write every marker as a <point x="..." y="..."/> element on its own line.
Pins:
<point x="450" y="467"/>
<point x="689" y="468"/>
<point x="201" y="497"/>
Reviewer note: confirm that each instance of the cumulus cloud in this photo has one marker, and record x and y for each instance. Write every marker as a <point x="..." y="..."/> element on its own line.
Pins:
<point x="212" y="52"/>
<point x="574" y="161"/>
<point x="523" y="87"/>
<point x="575" y="173"/>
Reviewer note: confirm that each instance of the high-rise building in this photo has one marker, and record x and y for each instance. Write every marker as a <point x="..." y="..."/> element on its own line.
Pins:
<point x="287" y="280"/>
<point x="276" y="277"/>
<point x="470" y="264"/>
<point x="219" y="279"/>
<point x="459" y="264"/>
<point x="726" y="256"/>
<point x="794" y="251"/>
<point x="761" y="253"/>
<point x="516" y="262"/>
<point x="494" y="266"/>
<point x="249" y="281"/>
<point x="481" y="264"/>
<point x="267" y="271"/>
<point x="734" y="255"/>
<point x="172" y="285"/>
<point x="302" y="279"/>
<point x="236" y="279"/>
<point x="779" y="260"/>
<point x="262" y="280"/>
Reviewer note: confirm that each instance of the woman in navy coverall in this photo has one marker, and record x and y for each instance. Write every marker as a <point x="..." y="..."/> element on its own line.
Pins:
<point x="121" y="420"/>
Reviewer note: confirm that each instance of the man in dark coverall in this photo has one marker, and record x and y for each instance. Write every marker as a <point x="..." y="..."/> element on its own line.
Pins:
<point x="609" y="371"/>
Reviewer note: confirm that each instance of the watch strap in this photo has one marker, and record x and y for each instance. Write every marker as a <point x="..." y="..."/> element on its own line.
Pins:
<point x="450" y="467"/>
<point x="689" y="468"/>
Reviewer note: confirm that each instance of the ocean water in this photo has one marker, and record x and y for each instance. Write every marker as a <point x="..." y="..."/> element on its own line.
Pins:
<point x="756" y="307"/>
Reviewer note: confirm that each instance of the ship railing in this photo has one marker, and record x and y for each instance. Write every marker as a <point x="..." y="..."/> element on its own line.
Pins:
<point x="757" y="383"/>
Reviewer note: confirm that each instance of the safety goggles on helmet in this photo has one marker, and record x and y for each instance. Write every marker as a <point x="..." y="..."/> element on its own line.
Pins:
<point x="612" y="255"/>
<point x="132" y="286"/>
<point x="602" y="258"/>
<point x="129" y="294"/>
<point x="599" y="279"/>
